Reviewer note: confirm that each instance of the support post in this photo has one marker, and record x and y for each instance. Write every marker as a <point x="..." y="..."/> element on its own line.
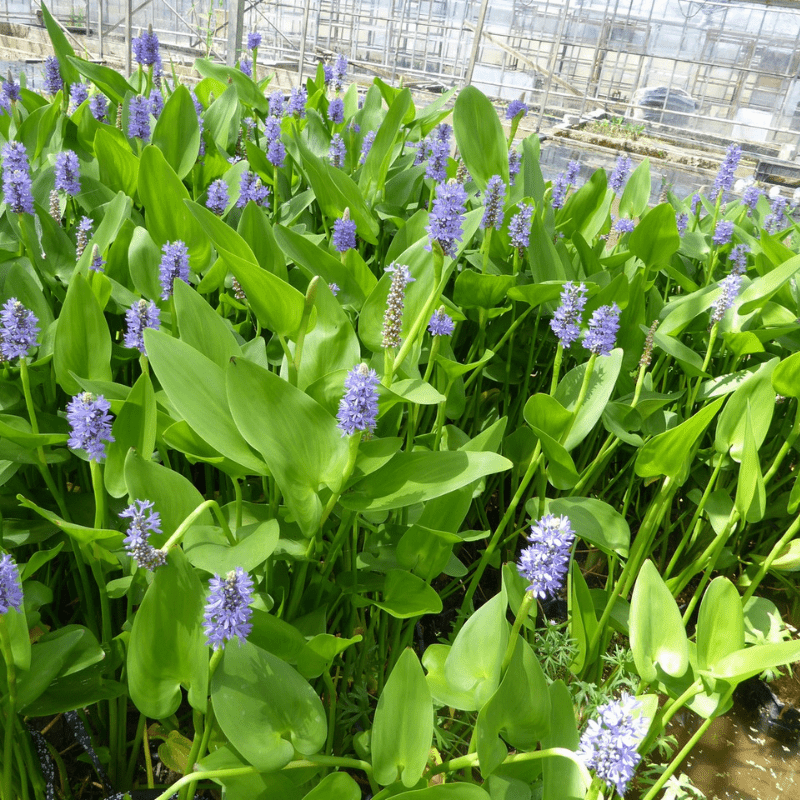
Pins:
<point x="128" y="15"/>
<point x="100" y="27"/>
<point x="476" y="43"/>
<point x="302" y="61"/>
<point x="552" y="66"/>
<point x="235" y="30"/>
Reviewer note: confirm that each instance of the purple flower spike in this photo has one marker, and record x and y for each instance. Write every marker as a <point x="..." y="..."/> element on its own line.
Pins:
<point x="145" y="49"/>
<point x="140" y="316"/>
<point x="441" y="324"/>
<point x="139" y="118"/>
<point x="610" y="740"/>
<point x="53" y="82"/>
<point x="90" y="423"/>
<point x="10" y="588"/>
<point x="619" y="176"/>
<point x="336" y="111"/>
<point x="696" y="204"/>
<point x="17" y="191"/>
<point x="366" y="146"/>
<point x="337" y="151"/>
<point x="15" y="157"/>
<point x="156" y="103"/>
<point x="730" y="286"/>
<point x="344" y="234"/>
<point x="11" y="90"/>
<point x="624" y="225"/>
<point x="738" y="258"/>
<point x="544" y="563"/>
<point x="98" y="105"/>
<point x="514" y="164"/>
<point x="681" y="221"/>
<point x="78" y="92"/>
<point x="774" y="219"/>
<point x="276" y="151"/>
<point x="516" y="108"/>
<point x="750" y="197"/>
<point x="253" y="40"/>
<point x="566" y="321"/>
<point x="519" y="228"/>
<point x="358" y="409"/>
<point x="18" y="330"/>
<point x="559" y="194"/>
<point x="67" y="170"/>
<point x="395" y="302"/>
<point x="493" y="203"/>
<point x="297" y="102"/>
<point x="603" y="327"/>
<point x="251" y="188"/>
<point x="174" y="266"/>
<point x="246" y="66"/>
<point x="447" y="217"/>
<point x="573" y="171"/>
<point x="276" y="104"/>
<point x="725" y="177"/>
<point x="723" y="233"/>
<point x="143" y="522"/>
<point x="217" y="199"/>
<point x="5" y="104"/>
<point x="438" y="153"/>
<point x="227" y="613"/>
<point x="339" y="72"/>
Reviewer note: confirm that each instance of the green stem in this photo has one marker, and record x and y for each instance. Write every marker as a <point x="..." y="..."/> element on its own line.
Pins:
<point x="690" y="401"/>
<point x="199" y="732"/>
<point x="11" y="682"/>
<point x="522" y="615"/>
<point x="556" y="368"/>
<point x="190" y="520"/>
<point x="767" y="563"/>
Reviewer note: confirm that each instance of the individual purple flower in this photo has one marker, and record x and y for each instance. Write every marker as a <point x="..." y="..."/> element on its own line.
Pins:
<point x="336" y="111"/>
<point x="141" y="315"/>
<point x="366" y="146"/>
<point x="144" y="522"/>
<point x="227" y="612"/>
<point x="98" y="105"/>
<point x="516" y="108"/>
<point x="10" y="586"/>
<point x="395" y="302"/>
<point x="339" y="72"/>
<point x="559" y="194"/>
<point x="337" y="151"/>
<point x="566" y="321"/>
<point x="52" y="75"/>
<point x="78" y="93"/>
<point x="17" y="190"/>
<point x="246" y="66"/>
<point x="727" y="169"/>
<point x="297" y="102"/>
<point x="90" y="424"/>
<point x="738" y="258"/>
<point x="603" y="327"/>
<point x="572" y="172"/>
<point x="681" y="222"/>
<point x="139" y="118"/>
<point x="610" y="740"/>
<point x="730" y="287"/>
<point x="253" y="40"/>
<point x="98" y="262"/>
<point x="84" y="227"/>
<point x="519" y="228"/>
<point x="251" y="188"/>
<point x="438" y="153"/>
<point x="217" y="199"/>
<point x="441" y="324"/>
<point x="156" y="103"/>
<point x="276" y="151"/>
<point x="624" y="225"/>
<point x="493" y="203"/>
<point x="695" y="204"/>
<point x="619" y="176"/>
<point x="344" y="233"/>
<point x="750" y="197"/>
<point x="18" y="330"/>
<point x="11" y="90"/>
<point x="276" y="104"/>
<point x="334" y="287"/>
<point x="15" y="157"/>
<point x="145" y="49"/>
<point x="545" y="561"/>
<point x="358" y="409"/>
<point x="67" y="170"/>
<point x="447" y="217"/>
<point x="174" y="266"/>
<point x="514" y="164"/>
<point x="775" y="217"/>
<point x="723" y="233"/>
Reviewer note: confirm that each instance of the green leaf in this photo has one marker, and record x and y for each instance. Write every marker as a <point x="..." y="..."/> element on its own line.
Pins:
<point x="376" y="165"/>
<point x="18" y="430"/>
<point x="426" y="551"/>
<point x="751" y="499"/>
<point x="78" y="532"/>
<point x="63" y="49"/>
<point x="786" y="376"/>
<point x="255" y="229"/>
<point x="246" y="89"/>
<point x="762" y="288"/>
<point x="582" y="619"/>
<point x="316" y="655"/>
<point x="658" y="638"/>
<point x="655" y="239"/>
<point x="177" y="133"/>
<point x="256" y="544"/>
<point x="83" y="342"/>
<point x="562" y="778"/>
<point x="636" y="195"/>
<point x="336" y="786"/>
<point x="750" y="661"/>
<point x="595" y="522"/>
<point x="561" y="472"/>
<point x="403" y="727"/>
<point x="412" y="477"/>
<point x="481" y="291"/>
<point x="168" y="650"/>
<point x="480" y="136"/>
<point x="296" y="436"/>
<point x="195" y="385"/>
<point x="108" y="80"/>
<point x="669" y="452"/>
<point x="283" y="712"/>
<point x="720" y="623"/>
<point x="405" y="596"/>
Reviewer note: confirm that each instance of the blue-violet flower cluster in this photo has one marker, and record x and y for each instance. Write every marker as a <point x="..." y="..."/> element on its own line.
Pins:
<point x="174" y="266"/>
<point x="19" y="328"/>
<point x="441" y="324"/>
<point x="447" y="217"/>
<point x="10" y="588"/>
<point x="67" y="170"/>
<point x="395" y="303"/>
<point x="90" y="424"/>
<point x="603" y="327"/>
<point x="141" y="315"/>
<point x="544" y="563"/>
<point x="227" y="612"/>
<point x="566" y="321"/>
<point x="358" y="409"/>
<point x="143" y="523"/>
<point x="493" y="203"/>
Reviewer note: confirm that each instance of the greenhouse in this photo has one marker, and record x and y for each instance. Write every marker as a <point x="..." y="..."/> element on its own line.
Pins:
<point x="399" y="400"/>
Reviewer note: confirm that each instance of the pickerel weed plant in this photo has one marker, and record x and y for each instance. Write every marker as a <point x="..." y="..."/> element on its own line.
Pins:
<point x="326" y="423"/>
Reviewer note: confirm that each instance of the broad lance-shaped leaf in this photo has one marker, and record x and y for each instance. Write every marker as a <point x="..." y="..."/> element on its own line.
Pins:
<point x="297" y="437"/>
<point x="720" y="623"/>
<point x="177" y="133"/>
<point x="480" y="136"/>
<point x="403" y="726"/>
